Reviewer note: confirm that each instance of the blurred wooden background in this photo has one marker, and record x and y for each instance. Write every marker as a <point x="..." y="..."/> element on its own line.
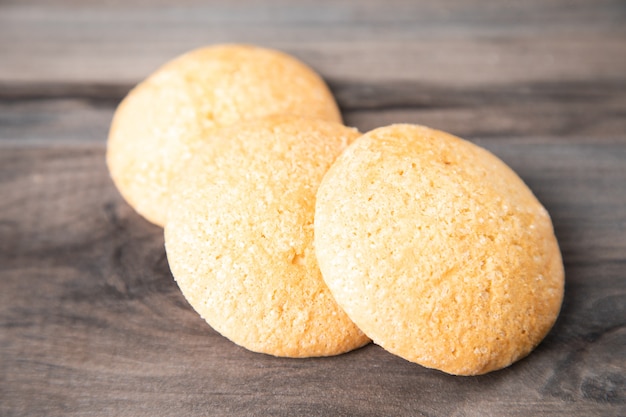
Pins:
<point x="91" y="322"/>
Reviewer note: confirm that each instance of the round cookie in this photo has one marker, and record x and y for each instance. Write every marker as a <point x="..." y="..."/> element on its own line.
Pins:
<point x="158" y="125"/>
<point x="437" y="250"/>
<point x="239" y="237"/>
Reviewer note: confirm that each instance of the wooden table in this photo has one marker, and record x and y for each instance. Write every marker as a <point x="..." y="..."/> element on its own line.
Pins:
<point x="91" y="321"/>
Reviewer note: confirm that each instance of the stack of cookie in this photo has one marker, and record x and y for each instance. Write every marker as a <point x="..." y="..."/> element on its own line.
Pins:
<point x="296" y="236"/>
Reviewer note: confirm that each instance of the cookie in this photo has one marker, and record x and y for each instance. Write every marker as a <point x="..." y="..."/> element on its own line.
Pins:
<point x="437" y="250"/>
<point x="239" y="237"/>
<point x="158" y="125"/>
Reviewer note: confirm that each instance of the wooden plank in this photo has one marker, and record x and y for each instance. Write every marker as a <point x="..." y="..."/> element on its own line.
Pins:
<point x="92" y="323"/>
<point x="473" y="16"/>
<point x="455" y="62"/>
<point x="38" y="113"/>
<point x="54" y="121"/>
<point x="454" y="43"/>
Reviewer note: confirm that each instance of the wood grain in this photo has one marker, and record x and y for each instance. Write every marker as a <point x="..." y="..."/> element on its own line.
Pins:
<point x="91" y="321"/>
<point x="475" y="42"/>
<point x="35" y="113"/>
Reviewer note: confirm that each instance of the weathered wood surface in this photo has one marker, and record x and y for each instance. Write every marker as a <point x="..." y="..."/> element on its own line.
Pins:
<point x="473" y="42"/>
<point x="36" y="114"/>
<point x="91" y="321"/>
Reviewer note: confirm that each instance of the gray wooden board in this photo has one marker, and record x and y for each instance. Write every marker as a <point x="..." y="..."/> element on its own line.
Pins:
<point x="91" y="320"/>
<point x="472" y="42"/>
<point x="46" y="113"/>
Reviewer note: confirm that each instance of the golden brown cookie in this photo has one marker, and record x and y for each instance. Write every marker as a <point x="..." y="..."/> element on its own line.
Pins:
<point x="437" y="250"/>
<point x="157" y="126"/>
<point x="239" y="237"/>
